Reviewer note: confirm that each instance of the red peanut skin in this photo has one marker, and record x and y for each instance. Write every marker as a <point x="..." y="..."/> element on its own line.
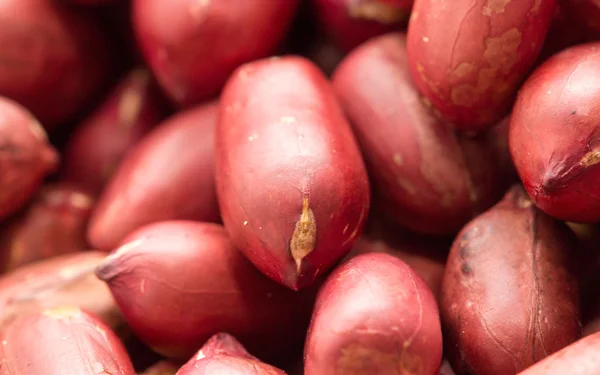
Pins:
<point x="66" y="280"/>
<point x="54" y="58"/>
<point x="374" y="315"/>
<point x="168" y="175"/>
<point x="469" y="57"/>
<point x="579" y="358"/>
<point x="96" y="148"/>
<point x="26" y="157"/>
<point x="65" y="341"/>
<point x="223" y="354"/>
<point x="210" y="288"/>
<point x="585" y="13"/>
<point x="278" y="146"/>
<point x="426" y="255"/>
<point x="350" y="23"/>
<point x="430" y="179"/>
<point x="554" y="134"/>
<point x="53" y="224"/>
<point x="193" y="46"/>
<point x="509" y="294"/>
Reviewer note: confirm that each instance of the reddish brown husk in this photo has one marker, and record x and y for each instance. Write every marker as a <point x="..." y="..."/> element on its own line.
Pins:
<point x="193" y="47"/>
<point x="99" y="144"/>
<point x="374" y="315"/>
<point x="54" y="223"/>
<point x="26" y="157"/>
<point x="469" y="57"/>
<point x="580" y="358"/>
<point x="68" y="280"/>
<point x="428" y="178"/>
<point x="223" y="354"/>
<point x="585" y="14"/>
<point x="426" y="255"/>
<point x="54" y="58"/>
<point x="292" y="186"/>
<point x="168" y="175"/>
<point x="555" y="134"/>
<point x="210" y="288"/>
<point x="62" y="341"/>
<point x="509" y="295"/>
<point x="350" y="22"/>
<point x="162" y="368"/>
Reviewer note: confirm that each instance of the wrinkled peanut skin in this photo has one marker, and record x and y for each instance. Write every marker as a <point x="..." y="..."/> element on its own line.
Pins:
<point x="168" y="175"/>
<point x="468" y="57"/>
<point x="279" y="145"/>
<point x="65" y="341"/>
<point x="509" y="294"/>
<point x="26" y="156"/>
<point x="555" y="134"/>
<point x="374" y="315"/>
<point x="426" y="177"/>
<point x="192" y="47"/>
<point x="223" y="354"/>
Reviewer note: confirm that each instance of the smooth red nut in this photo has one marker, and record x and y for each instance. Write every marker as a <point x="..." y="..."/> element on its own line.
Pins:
<point x="192" y="47"/>
<point x="223" y="354"/>
<point x="509" y="294"/>
<point x="67" y="280"/>
<point x="54" y="223"/>
<point x="468" y="57"/>
<point x="425" y="176"/>
<point x="168" y="175"/>
<point x="374" y="315"/>
<point x="179" y="282"/>
<point x="26" y="156"/>
<point x="100" y="142"/>
<point x="350" y="22"/>
<point x="554" y="134"/>
<point x="67" y="341"/>
<point x="54" y="58"/>
<point x="291" y="183"/>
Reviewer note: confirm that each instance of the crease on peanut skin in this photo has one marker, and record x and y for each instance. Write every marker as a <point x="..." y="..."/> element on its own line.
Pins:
<point x="304" y="237"/>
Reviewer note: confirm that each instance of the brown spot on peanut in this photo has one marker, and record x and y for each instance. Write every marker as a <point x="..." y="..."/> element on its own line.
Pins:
<point x="463" y="69"/>
<point x="398" y="160"/>
<point x="494" y="6"/>
<point x="502" y="52"/>
<point x="304" y="237"/>
<point x="464" y="95"/>
<point x="131" y="102"/>
<point x="357" y="359"/>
